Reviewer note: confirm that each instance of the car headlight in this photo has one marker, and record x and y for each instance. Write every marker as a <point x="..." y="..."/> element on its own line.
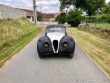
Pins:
<point x="46" y="44"/>
<point x="65" y="44"/>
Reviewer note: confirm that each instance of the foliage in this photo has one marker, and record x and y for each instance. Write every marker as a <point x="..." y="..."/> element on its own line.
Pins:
<point x="106" y="10"/>
<point x="77" y="3"/>
<point x="74" y="17"/>
<point x="39" y="17"/>
<point x="104" y="17"/>
<point x="90" y="6"/>
<point x="61" y="18"/>
<point x="93" y="6"/>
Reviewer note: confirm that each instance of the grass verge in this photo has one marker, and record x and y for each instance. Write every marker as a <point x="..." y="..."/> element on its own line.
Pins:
<point x="97" y="48"/>
<point x="9" y="45"/>
<point x="104" y="26"/>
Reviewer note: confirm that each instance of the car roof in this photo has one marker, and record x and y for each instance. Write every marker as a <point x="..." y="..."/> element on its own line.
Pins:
<point x="55" y="26"/>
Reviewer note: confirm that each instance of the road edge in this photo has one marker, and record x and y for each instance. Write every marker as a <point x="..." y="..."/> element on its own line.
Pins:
<point x="95" y="63"/>
<point x="8" y="61"/>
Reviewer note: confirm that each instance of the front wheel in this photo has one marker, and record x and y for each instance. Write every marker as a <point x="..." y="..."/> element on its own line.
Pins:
<point x="71" y="55"/>
<point x="41" y="56"/>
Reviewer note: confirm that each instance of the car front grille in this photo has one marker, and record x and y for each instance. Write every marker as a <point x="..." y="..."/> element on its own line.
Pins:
<point x="55" y="45"/>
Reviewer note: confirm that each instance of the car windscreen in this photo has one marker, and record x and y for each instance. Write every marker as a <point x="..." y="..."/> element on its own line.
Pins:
<point x="56" y="29"/>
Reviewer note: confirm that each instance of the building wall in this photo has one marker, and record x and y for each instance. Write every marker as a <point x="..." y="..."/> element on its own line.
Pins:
<point x="10" y="12"/>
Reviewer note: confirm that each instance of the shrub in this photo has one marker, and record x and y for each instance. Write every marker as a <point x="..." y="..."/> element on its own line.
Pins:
<point x="61" y="18"/>
<point x="104" y="17"/>
<point x="39" y="17"/>
<point x="74" y="17"/>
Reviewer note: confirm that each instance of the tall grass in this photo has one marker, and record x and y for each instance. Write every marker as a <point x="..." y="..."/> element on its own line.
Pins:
<point x="96" y="47"/>
<point x="14" y="35"/>
<point x="13" y="29"/>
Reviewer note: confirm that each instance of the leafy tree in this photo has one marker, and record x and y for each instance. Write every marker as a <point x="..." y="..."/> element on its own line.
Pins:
<point x="74" y="17"/>
<point x="109" y="3"/>
<point x="39" y="17"/>
<point x="61" y="18"/>
<point x="77" y="3"/>
<point x="90" y="6"/>
<point x="107" y="9"/>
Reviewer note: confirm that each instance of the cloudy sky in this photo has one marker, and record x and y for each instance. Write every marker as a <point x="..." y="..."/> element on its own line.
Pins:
<point x="45" y="6"/>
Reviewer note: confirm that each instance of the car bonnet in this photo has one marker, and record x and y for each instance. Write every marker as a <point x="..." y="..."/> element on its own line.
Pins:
<point x="55" y="36"/>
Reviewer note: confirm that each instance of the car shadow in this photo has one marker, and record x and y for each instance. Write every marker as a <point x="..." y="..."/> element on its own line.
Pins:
<point x="56" y="56"/>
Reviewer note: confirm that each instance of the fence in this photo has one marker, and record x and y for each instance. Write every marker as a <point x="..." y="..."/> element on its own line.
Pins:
<point x="104" y="24"/>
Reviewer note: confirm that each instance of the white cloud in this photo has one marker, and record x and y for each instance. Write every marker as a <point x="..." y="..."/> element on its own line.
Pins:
<point x="8" y="0"/>
<point x="45" y="8"/>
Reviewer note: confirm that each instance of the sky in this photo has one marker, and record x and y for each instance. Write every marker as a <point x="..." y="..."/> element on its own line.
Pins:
<point x="45" y="6"/>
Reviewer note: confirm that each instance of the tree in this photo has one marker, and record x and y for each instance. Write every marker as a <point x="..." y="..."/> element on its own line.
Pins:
<point x="74" y="17"/>
<point x="107" y="9"/>
<point x="109" y="3"/>
<point x="61" y="18"/>
<point x="39" y="17"/>
<point x="90" y="6"/>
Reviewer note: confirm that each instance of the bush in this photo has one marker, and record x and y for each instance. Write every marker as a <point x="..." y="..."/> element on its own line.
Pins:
<point x="61" y="18"/>
<point x="39" y="17"/>
<point x="74" y="17"/>
<point x="92" y="17"/>
<point x="104" y="17"/>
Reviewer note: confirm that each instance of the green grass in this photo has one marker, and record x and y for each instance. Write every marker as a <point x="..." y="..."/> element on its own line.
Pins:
<point x="13" y="29"/>
<point x="104" y="26"/>
<point x="14" y="35"/>
<point x="96" y="47"/>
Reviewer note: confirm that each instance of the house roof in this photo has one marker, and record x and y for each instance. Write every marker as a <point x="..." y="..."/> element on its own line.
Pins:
<point x="56" y="14"/>
<point x="47" y="16"/>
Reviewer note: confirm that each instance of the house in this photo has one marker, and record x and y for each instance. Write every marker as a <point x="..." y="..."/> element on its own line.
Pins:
<point x="47" y="17"/>
<point x="50" y="17"/>
<point x="56" y="14"/>
<point x="10" y="12"/>
<point x="29" y="13"/>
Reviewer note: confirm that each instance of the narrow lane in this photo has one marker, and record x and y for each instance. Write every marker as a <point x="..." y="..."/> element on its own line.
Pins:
<point x="27" y="67"/>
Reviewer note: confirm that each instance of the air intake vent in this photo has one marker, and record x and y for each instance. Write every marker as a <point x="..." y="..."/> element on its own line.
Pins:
<point x="55" y="44"/>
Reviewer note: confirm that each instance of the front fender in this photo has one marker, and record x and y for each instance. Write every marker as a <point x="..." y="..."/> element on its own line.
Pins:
<point x="40" y="46"/>
<point x="71" y="46"/>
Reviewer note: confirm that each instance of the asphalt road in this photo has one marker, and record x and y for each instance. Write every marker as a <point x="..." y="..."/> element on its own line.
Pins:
<point x="27" y="67"/>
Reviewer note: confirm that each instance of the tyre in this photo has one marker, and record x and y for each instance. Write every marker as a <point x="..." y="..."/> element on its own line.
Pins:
<point x="71" y="56"/>
<point x="41" y="56"/>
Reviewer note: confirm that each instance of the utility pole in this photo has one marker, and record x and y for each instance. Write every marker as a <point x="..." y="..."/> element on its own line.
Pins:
<point x="34" y="11"/>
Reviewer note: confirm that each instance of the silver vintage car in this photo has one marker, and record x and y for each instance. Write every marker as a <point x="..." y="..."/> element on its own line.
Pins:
<point x="55" y="41"/>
